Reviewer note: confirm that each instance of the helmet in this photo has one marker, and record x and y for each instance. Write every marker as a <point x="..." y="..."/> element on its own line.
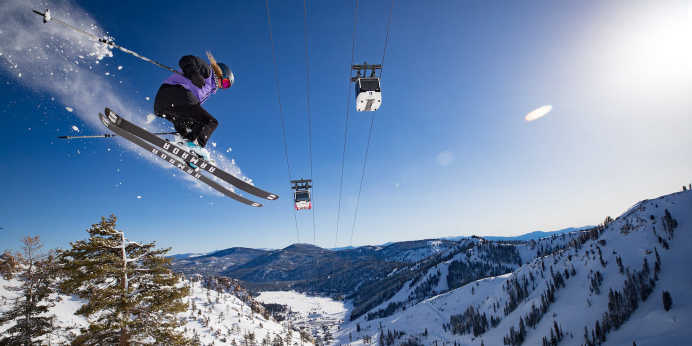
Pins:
<point x="226" y="73"/>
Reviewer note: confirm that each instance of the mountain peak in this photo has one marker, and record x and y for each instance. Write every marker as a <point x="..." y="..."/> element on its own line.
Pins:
<point x="302" y="247"/>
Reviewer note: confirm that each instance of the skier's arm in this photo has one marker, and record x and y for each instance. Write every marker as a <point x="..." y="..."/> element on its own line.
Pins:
<point x="216" y="68"/>
<point x="194" y="69"/>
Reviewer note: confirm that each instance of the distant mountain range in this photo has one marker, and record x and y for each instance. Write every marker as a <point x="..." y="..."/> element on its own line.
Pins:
<point x="498" y="289"/>
<point x="526" y="236"/>
<point x="310" y="268"/>
<point x="341" y="271"/>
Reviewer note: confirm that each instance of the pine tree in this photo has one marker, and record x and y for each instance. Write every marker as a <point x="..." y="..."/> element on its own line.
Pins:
<point x="667" y="300"/>
<point x="132" y="295"/>
<point x="31" y="306"/>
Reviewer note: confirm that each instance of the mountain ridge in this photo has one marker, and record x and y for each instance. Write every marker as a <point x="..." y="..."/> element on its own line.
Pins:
<point x="586" y="287"/>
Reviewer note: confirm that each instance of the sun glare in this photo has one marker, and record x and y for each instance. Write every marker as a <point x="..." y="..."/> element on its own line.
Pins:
<point x="653" y="51"/>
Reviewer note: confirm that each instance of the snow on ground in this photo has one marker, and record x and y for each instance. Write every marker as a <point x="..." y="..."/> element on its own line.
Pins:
<point x="632" y="237"/>
<point x="66" y="321"/>
<point x="316" y="313"/>
<point x="224" y="319"/>
<point x="431" y="247"/>
<point x="218" y="318"/>
<point x="303" y="303"/>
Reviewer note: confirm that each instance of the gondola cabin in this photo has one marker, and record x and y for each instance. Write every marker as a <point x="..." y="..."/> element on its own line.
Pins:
<point x="368" y="94"/>
<point x="302" y="200"/>
<point x="301" y="196"/>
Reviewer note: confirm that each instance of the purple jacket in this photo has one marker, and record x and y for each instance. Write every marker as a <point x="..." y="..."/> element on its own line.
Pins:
<point x="202" y="93"/>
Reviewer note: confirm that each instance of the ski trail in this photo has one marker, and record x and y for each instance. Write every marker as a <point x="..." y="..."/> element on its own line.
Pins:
<point x="434" y="310"/>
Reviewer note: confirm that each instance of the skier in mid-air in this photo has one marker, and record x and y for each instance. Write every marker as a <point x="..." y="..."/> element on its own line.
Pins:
<point x="180" y="97"/>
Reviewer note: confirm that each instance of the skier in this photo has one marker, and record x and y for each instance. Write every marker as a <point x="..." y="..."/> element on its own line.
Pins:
<point x="180" y="97"/>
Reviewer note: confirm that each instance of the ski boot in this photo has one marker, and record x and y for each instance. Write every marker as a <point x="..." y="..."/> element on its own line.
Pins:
<point x="200" y="152"/>
<point x="193" y="148"/>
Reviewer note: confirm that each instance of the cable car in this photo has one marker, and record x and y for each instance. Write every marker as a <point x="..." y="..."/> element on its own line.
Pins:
<point x="368" y="93"/>
<point x="301" y="196"/>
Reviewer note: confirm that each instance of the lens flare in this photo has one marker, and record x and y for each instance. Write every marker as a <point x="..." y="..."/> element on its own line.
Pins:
<point x="538" y="113"/>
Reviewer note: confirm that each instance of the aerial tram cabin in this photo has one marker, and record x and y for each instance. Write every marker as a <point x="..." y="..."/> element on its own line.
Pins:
<point x="368" y="93"/>
<point x="301" y="196"/>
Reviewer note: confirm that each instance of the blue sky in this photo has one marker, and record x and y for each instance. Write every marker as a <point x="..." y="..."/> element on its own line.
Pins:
<point x="451" y="152"/>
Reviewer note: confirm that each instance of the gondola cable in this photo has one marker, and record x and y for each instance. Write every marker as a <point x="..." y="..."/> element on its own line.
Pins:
<point x="386" y="38"/>
<point x="309" y="114"/>
<point x="372" y="123"/>
<point x="362" y="176"/>
<point x="348" y="111"/>
<point x="281" y="115"/>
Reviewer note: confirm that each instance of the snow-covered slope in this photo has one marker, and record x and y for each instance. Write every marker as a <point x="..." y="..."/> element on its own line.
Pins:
<point x="222" y="318"/>
<point x="219" y="317"/>
<point x="470" y="259"/>
<point x="562" y="287"/>
<point x="66" y="322"/>
<point x="321" y="315"/>
<point x="416" y="250"/>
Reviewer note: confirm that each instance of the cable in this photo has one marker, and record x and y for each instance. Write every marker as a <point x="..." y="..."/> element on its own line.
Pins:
<point x="309" y="114"/>
<point x="362" y="176"/>
<point x="386" y="38"/>
<point x="372" y="122"/>
<point x="281" y="114"/>
<point x="295" y="218"/>
<point x="348" y="110"/>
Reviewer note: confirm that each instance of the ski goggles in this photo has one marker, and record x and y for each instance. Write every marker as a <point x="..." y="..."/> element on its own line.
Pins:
<point x="225" y="83"/>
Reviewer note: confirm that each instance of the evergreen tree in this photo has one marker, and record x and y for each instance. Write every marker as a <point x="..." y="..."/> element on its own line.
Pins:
<point x="132" y="295"/>
<point x="277" y="341"/>
<point x="36" y="273"/>
<point x="667" y="300"/>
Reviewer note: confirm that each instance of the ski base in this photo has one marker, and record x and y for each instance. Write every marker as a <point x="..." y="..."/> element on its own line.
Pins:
<point x="183" y="155"/>
<point x="182" y="165"/>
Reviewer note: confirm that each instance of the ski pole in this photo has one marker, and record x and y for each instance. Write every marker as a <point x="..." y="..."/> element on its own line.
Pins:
<point x="48" y="18"/>
<point x="108" y="135"/>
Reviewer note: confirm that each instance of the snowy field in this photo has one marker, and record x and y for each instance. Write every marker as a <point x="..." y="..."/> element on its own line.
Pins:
<point x="304" y="304"/>
<point x="319" y="314"/>
<point x="212" y="318"/>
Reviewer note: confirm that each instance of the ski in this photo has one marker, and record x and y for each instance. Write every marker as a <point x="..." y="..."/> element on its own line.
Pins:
<point x="183" y="166"/>
<point x="183" y="155"/>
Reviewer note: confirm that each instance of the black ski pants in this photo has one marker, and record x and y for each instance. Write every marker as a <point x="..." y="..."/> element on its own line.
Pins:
<point x="179" y="106"/>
